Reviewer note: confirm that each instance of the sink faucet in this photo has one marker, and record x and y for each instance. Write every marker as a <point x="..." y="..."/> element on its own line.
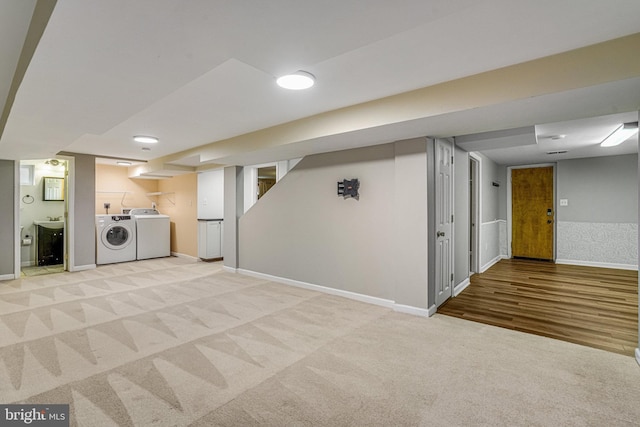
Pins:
<point x="54" y="218"/>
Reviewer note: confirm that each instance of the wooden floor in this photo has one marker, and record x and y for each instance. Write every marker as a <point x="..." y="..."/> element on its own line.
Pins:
<point x="596" y="307"/>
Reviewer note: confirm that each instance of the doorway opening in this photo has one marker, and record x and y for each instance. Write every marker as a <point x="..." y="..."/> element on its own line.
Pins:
<point x="266" y="179"/>
<point x="43" y="216"/>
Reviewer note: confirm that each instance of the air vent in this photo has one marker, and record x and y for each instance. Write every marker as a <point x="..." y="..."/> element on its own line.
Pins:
<point x="557" y="152"/>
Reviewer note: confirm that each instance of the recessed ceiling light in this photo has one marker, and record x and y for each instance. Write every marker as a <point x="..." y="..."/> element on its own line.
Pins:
<point x="557" y="137"/>
<point x="145" y="139"/>
<point x="146" y="149"/>
<point x="121" y="163"/>
<point x="297" y="81"/>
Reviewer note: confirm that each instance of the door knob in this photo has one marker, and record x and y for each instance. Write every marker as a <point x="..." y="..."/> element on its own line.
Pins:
<point x="440" y="234"/>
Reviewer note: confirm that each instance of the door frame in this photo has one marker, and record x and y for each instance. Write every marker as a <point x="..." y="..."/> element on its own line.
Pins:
<point x="509" y="204"/>
<point x="451" y="246"/>
<point x="474" y="262"/>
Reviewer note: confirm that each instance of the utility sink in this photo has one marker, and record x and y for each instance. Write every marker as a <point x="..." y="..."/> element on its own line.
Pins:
<point x="54" y="225"/>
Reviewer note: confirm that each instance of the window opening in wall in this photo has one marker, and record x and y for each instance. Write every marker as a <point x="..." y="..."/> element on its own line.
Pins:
<point x="266" y="179"/>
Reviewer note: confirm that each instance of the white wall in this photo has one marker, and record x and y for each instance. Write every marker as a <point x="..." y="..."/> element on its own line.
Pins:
<point x="211" y="194"/>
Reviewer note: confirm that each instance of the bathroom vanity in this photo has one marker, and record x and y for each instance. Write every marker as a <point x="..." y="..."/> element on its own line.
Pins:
<point x="50" y="242"/>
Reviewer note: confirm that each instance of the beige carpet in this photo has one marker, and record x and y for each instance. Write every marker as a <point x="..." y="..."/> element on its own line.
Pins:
<point x="170" y="342"/>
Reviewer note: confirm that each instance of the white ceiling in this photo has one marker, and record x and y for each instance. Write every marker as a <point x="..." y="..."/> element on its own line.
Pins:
<point x="196" y="72"/>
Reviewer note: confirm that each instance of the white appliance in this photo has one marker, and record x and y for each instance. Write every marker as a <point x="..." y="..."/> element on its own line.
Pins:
<point x="115" y="238"/>
<point x="153" y="233"/>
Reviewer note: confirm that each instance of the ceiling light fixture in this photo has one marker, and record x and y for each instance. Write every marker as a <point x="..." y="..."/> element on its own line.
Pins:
<point x="297" y="81"/>
<point x="621" y="134"/>
<point x="121" y="163"/>
<point x="146" y="139"/>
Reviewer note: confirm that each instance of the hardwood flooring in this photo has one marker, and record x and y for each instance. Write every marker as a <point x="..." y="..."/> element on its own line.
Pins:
<point x="595" y="307"/>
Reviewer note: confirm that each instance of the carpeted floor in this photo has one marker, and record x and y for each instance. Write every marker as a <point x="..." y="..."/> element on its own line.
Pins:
<point x="170" y="342"/>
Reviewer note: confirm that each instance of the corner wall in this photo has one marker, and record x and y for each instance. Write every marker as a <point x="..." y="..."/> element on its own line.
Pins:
<point x="181" y="204"/>
<point x="303" y="231"/>
<point x="7" y="226"/>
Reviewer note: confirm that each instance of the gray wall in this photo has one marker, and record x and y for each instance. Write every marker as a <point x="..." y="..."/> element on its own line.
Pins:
<point x="84" y="211"/>
<point x="376" y="246"/>
<point x="233" y="208"/>
<point x="602" y="189"/>
<point x="7" y="225"/>
<point x="493" y="198"/>
<point x="461" y="215"/>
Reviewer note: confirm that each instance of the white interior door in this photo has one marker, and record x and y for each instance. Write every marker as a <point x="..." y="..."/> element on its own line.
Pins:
<point x="444" y="220"/>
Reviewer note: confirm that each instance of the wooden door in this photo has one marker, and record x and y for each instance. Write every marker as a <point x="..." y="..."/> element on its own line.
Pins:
<point x="444" y="220"/>
<point x="532" y="213"/>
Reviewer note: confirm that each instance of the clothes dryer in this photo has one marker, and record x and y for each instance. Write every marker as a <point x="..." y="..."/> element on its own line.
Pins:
<point x="115" y="239"/>
<point x="153" y="233"/>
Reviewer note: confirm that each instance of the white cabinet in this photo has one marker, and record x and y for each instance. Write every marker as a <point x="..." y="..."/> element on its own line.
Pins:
<point x="209" y="239"/>
<point x="211" y="194"/>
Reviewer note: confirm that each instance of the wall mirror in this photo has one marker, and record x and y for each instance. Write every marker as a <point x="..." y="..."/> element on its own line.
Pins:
<point x="53" y="188"/>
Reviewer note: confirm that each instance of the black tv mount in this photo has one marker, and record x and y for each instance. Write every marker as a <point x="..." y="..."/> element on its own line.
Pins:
<point x="349" y="188"/>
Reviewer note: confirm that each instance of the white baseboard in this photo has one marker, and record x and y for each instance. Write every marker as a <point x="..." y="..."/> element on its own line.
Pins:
<point x="597" y="264"/>
<point x="179" y="255"/>
<point x="229" y="269"/>
<point x="407" y="309"/>
<point x="7" y="276"/>
<point x="460" y="287"/>
<point x="82" y="267"/>
<point x="338" y="292"/>
<point x="491" y="263"/>
<point x="27" y="263"/>
<point x="638" y="355"/>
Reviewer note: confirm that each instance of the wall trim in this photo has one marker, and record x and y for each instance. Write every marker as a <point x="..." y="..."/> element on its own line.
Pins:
<point x="401" y="308"/>
<point x="82" y="267"/>
<point x="332" y="291"/>
<point x="229" y="269"/>
<point x="460" y="287"/>
<point x="638" y="355"/>
<point x="492" y="262"/>
<point x="495" y="221"/>
<point x="179" y="255"/>
<point x="7" y="276"/>
<point x="597" y="264"/>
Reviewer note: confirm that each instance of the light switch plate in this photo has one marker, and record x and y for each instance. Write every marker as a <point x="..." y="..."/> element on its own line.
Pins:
<point x="564" y="202"/>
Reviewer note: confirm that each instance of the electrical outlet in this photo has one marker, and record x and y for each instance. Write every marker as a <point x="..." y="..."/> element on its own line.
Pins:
<point x="564" y="202"/>
<point x="107" y="205"/>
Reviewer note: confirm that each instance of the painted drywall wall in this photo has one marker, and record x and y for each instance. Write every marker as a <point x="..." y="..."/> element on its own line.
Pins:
<point x="233" y="209"/>
<point x="7" y="225"/>
<point x="602" y="189"/>
<point x="410" y="222"/>
<point x="179" y="201"/>
<point x="461" y="215"/>
<point x="302" y="230"/>
<point x="493" y="211"/>
<point x="599" y="225"/>
<point x="211" y="194"/>
<point x="114" y="186"/>
<point x="375" y="245"/>
<point x="84" y="220"/>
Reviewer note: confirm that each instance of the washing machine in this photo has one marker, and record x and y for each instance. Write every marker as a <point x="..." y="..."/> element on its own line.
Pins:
<point x="153" y="233"/>
<point x="115" y="239"/>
